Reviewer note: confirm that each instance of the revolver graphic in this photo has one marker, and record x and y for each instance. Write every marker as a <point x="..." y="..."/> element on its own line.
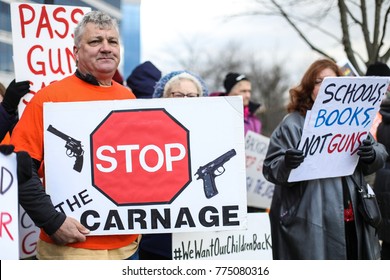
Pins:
<point x="208" y="172"/>
<point x="73" y="147"/>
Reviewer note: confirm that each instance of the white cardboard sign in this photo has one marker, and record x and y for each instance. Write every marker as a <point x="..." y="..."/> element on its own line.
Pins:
<point x="43" y="43"/>
<point x="9" y="235"/>
<point x="339" y="121"/>
<point x="259" y="190"/>
<point x="148" y="166"/>
<point x="254" y="243"/>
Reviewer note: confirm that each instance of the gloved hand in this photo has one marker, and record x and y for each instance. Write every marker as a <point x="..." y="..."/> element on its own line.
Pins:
<point x="13" y="94"/>
<point x="366" y="152"/>
<point x="293" y="158"/>
<point x="24" y="162"/>
<point x="6" y="149"/>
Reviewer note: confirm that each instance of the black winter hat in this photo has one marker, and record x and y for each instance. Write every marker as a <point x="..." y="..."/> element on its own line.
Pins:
<point x="232" y="79"/>
<point x="378" y="69"/>
<point x="143" y="79"/>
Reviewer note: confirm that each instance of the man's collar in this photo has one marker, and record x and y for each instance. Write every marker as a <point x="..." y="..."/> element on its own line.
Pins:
<point x="88" y="78"/>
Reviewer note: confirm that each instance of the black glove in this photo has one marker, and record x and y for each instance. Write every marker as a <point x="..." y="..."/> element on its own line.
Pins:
<point x="366" y="152"/>
<point x="24" y="162"/>
<point x="6" y="149"/>
<point x="293" y="158"/>
<point x="13" y="94"/>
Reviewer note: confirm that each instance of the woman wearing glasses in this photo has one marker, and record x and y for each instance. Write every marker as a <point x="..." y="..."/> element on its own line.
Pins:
<point x="176" y="84"/>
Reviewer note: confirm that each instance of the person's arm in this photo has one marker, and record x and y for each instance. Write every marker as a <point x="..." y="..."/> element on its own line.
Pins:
<point x="9" y="105"/>
<point x="282" y="155"/>
<point x="38" y="205"/>
<point x="14" y="92"/>
<point x="7" y="121"/>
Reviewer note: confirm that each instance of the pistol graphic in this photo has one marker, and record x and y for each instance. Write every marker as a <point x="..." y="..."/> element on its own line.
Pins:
<point x="208" y="172"/>
<point x="73" y="147"/>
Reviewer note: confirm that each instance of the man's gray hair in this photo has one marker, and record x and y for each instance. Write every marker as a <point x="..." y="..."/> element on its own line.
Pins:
<point x="98" y="18"/>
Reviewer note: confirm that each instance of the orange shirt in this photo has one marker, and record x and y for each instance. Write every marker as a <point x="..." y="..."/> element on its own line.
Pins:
<point x="28" y="136"/>
<point x="6" y="140"/>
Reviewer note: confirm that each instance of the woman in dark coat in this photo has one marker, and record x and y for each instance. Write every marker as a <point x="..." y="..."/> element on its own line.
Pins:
<point x="316" y="219"/>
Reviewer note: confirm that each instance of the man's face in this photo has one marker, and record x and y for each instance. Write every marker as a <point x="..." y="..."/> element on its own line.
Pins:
<point x="99" y="52"/>
<point x="243" y="88"/>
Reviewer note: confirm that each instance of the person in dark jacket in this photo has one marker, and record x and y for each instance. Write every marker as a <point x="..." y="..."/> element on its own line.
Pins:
<point x="317" y="219"/>
<point x="382" y="180"/>
<point x="143" y="79"/>
<point x="237" y="84"/>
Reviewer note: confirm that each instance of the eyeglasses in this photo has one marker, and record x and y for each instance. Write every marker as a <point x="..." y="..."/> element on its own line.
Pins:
<point x="180" y="94"/>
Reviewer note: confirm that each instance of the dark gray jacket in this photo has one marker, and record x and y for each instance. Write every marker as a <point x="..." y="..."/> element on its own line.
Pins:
<point x="307" y="218"/>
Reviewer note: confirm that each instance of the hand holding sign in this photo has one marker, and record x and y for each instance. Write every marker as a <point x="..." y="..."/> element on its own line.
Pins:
<point x="15" y="91"/>
<point x="293" y="158"/>
<point x="71" y="231"/>
<point x="366" y="152"/>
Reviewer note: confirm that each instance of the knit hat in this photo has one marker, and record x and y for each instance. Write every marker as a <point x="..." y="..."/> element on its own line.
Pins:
<point x="143" y="79"/>
<point x="164" y="81"/>
<point x="232" y="79"/>
<point x="378" y="69"/>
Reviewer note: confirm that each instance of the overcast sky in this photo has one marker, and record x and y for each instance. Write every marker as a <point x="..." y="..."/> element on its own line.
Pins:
<point x="166" y="24"/>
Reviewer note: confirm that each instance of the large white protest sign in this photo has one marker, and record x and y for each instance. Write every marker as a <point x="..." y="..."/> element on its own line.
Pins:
<point x="43" y="43"/>
<point x="9" y="235"/>
<point x="254" y="243"/>
<point x="259" y="190"/>
<point x="156" y="165"/>
<point x="339" y="121"/>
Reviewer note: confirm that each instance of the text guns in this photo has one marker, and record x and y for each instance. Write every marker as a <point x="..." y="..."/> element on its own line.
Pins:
<point x="73" y="147"/>
<point x="207" y="172"/>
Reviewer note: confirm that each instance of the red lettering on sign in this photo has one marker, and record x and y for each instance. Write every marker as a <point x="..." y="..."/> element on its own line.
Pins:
<point x="5" y="220"/>
<point x="29" y="243"/>
<point x="37" y="64"/>
<point x="53" y="23"/>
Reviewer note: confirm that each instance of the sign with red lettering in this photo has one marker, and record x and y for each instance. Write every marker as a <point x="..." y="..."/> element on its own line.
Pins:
<point x="9" y="236"/>
<point x="339" y="121"/>
<point x="43" y="43"/>
<point x="28" y="235"/>
<point x="148" y="165"/>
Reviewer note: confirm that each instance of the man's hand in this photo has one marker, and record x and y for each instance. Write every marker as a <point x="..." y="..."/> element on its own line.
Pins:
<point x="366" y="152"/>
<point x="293" y="158"/>
<point x="71" y="231"/>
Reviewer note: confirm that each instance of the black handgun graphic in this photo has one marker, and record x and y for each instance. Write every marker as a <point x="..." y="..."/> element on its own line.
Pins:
<point x="208" y="172"/>
<point x="73" y="147"/>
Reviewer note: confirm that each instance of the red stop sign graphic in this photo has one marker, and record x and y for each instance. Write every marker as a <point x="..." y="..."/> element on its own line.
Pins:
<point x="140" y="157"/>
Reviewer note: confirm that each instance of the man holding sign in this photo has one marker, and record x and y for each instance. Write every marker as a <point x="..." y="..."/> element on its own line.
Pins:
<point x="314" y="159"/>
<point x="97" y="53"/>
